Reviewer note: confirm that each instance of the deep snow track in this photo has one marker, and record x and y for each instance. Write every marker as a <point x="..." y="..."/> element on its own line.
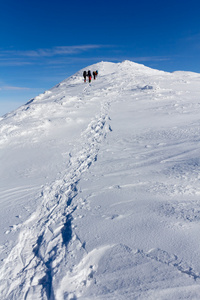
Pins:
<point x="126" y="228"/>
<point x="30" y="270"/>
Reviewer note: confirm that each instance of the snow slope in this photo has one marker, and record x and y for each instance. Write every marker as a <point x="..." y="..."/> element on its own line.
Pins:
<point x="100" y="185"/>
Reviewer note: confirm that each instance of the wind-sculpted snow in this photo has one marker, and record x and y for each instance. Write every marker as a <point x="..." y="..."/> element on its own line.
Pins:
<point x="45" y="236"/>
<point x="100" y="187"/>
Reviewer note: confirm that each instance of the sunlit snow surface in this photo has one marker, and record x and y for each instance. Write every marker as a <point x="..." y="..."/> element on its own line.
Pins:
<point x="100" y="189"/>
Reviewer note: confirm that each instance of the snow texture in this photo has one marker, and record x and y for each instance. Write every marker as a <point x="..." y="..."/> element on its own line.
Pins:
<point x="100" y="186"/>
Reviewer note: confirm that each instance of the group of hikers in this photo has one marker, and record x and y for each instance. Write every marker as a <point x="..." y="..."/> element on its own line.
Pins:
<point x="89" y="75"/>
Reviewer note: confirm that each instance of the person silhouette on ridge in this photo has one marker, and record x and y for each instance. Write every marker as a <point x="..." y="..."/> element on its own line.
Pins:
<point x="94" y="75"/>
<point x="89" y="75"/>
<point x="84" y="75"/>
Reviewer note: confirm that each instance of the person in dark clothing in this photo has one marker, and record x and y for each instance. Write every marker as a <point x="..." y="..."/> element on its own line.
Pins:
<point x="89" y="75"/>
<point x="84" y="75"/>
<point x="94" y="74"/>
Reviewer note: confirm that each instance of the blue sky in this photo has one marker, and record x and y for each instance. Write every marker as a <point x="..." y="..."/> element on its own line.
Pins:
<point x="44" y="42"/>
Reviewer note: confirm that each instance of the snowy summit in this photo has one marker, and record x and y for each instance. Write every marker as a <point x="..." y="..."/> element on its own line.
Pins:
<point x="100" y="187"/>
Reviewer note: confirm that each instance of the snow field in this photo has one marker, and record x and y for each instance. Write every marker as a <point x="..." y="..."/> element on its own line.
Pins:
<point x="103" y="180"/>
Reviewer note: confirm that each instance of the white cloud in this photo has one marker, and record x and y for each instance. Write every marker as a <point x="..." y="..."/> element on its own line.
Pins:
<point x="59" y="50"/>
<point x="13" y="88"/>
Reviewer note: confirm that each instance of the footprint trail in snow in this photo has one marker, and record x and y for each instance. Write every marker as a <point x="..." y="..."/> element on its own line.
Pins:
<point x="30" y="268"/>
<point x="100" y="186"/>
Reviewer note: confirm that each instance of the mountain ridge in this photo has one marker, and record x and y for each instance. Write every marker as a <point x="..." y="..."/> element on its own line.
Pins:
<point x="100" y="186"/>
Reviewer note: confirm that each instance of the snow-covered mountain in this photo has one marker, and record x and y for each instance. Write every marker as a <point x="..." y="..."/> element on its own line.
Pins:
<point x="100" y="185"/>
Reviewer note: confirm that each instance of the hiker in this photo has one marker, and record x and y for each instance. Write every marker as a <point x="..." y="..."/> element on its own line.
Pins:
<point x="94" y="74"/>
<point x="89" y="75"/>
<point x="84" y="75"/>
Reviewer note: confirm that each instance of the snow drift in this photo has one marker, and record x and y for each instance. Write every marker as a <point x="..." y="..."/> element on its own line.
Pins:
<point x="100" y="188"/>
